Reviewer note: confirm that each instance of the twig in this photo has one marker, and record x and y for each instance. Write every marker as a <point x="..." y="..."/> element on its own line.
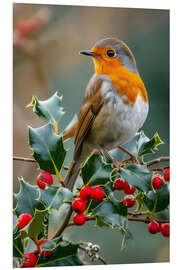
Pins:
<point x="157" y="160"/>
<point x="100" y="258"/>
<point x="24" y="159"/>
<point x="64" y="225"/>
<point x="136" y="214"/>
<point x="146" y="220"/>
<point x="31" y="160"/>
<point x="158" y="169"/>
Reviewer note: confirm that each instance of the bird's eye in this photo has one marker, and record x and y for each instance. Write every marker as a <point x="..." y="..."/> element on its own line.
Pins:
<point x="110" y="53"/>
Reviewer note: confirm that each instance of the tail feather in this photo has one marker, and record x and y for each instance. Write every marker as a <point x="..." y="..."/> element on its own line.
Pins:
<point x="72" y="174"/>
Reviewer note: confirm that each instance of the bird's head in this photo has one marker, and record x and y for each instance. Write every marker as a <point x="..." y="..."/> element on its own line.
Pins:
<point x="110" y="54"/>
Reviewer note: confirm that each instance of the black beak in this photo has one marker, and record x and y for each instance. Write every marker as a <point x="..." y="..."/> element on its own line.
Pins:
<point x="89" y="53"/>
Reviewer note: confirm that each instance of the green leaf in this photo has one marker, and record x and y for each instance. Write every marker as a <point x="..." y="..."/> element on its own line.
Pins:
<point x="51" y="109"/>
<point x="96" y="171"/>
<point x="18" y="249"/>
<point x="55" y="196"/>
<point x="56" y="218"/>
<point x="50" y="245"/>
<point x="36" y="226"/>
<point x="133" y="146"/>
<point x="61" y="256"/>
<point x="112" y="213"/>
<point x="150" y="147"/>
<point x="138" y="176"/>
<point x="48" y="149"/>
<point x="27" y="199"/>
<point x="157" y="200"/>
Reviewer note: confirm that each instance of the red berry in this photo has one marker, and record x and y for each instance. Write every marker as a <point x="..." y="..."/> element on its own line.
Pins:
<point x="128" y="189"/>
<point x="119" y="184"/>
<point x="165" y="229"/>
<point x="29" y="260"/>
<point x="23" y="220"/>
<point x="86" y="193"/>
<point x="129" y="201"/>
<point x="79" y="219"/>
<point x="157" y="182"/>
<point x="43" y="179"/>
<point x="44" y="253"/>
<point x="167" y="174"/>
<point x="79" y="206"/>
<point x="153" y="227"/>
<point x="98" y="194"/>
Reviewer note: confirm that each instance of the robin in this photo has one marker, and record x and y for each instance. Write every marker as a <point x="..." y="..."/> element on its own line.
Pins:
<point x="114" y="108"/>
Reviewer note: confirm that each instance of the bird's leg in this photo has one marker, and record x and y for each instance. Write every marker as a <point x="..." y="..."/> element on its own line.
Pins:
<point x="132" y="157"/>
<point x="116" y="164"/>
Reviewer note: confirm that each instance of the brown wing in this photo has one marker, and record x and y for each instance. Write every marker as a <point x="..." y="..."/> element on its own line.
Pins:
<point x="93" y="102"/>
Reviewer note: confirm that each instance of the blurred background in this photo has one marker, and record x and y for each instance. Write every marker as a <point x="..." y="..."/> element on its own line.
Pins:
<point x="46" y="41"/>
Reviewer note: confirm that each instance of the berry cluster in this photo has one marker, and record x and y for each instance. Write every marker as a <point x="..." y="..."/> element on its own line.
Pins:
<point x="30" y="259"/>
<point x="121" y="184"/>
<point x="87" y="193"/>
<point x="155" y="227"/>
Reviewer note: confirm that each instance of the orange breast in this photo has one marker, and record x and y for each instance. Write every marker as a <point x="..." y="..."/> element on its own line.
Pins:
<point x="126" y="83"/>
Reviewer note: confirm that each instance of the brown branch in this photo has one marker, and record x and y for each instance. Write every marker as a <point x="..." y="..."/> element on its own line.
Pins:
<point x="157" y="160"/>
<point x="24" y="159"/>
<point x="31" y="160"/>
<point x="158" y="169"/>
<point x="64" y="225"/>
<point x="146" y="220"/>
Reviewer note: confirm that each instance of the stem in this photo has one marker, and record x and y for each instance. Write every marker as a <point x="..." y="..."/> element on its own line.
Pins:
<point x="64" y="225"/>
<point x="24" y="159"/>
<point x="138" y="213"/>
<point x="158" y="169"/>
<point x="59" y="178"/>
<point x="157" y="160"/>
<point x="31" y="160"/>
<point x="146" y="220"/>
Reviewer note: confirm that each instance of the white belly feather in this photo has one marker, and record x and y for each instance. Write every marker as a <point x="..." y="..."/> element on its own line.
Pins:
<point x="119" y="121"/>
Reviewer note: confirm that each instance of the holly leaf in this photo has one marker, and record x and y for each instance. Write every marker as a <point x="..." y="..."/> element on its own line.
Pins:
<point x="51" y="245"/>
<point x="27" y="199"/>
<point x="18" y="249"/>
<point x="55" y="196"/>
<point x="133" y="146"/>
<point x="151" y="146"/>
<point x="113" y="213"/>
<point x="62" y="256"/>
<point x="157" y="200"/>
<point x="56" y="218"/>
<point x="138" y="176"/>
<point x="48" y="149"/>
<point x="96" y="171"/>
<point x="37" y="226"/>
<point x="51" y="109"/>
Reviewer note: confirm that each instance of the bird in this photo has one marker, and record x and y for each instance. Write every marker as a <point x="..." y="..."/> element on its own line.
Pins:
<point x="114" y="108"/>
